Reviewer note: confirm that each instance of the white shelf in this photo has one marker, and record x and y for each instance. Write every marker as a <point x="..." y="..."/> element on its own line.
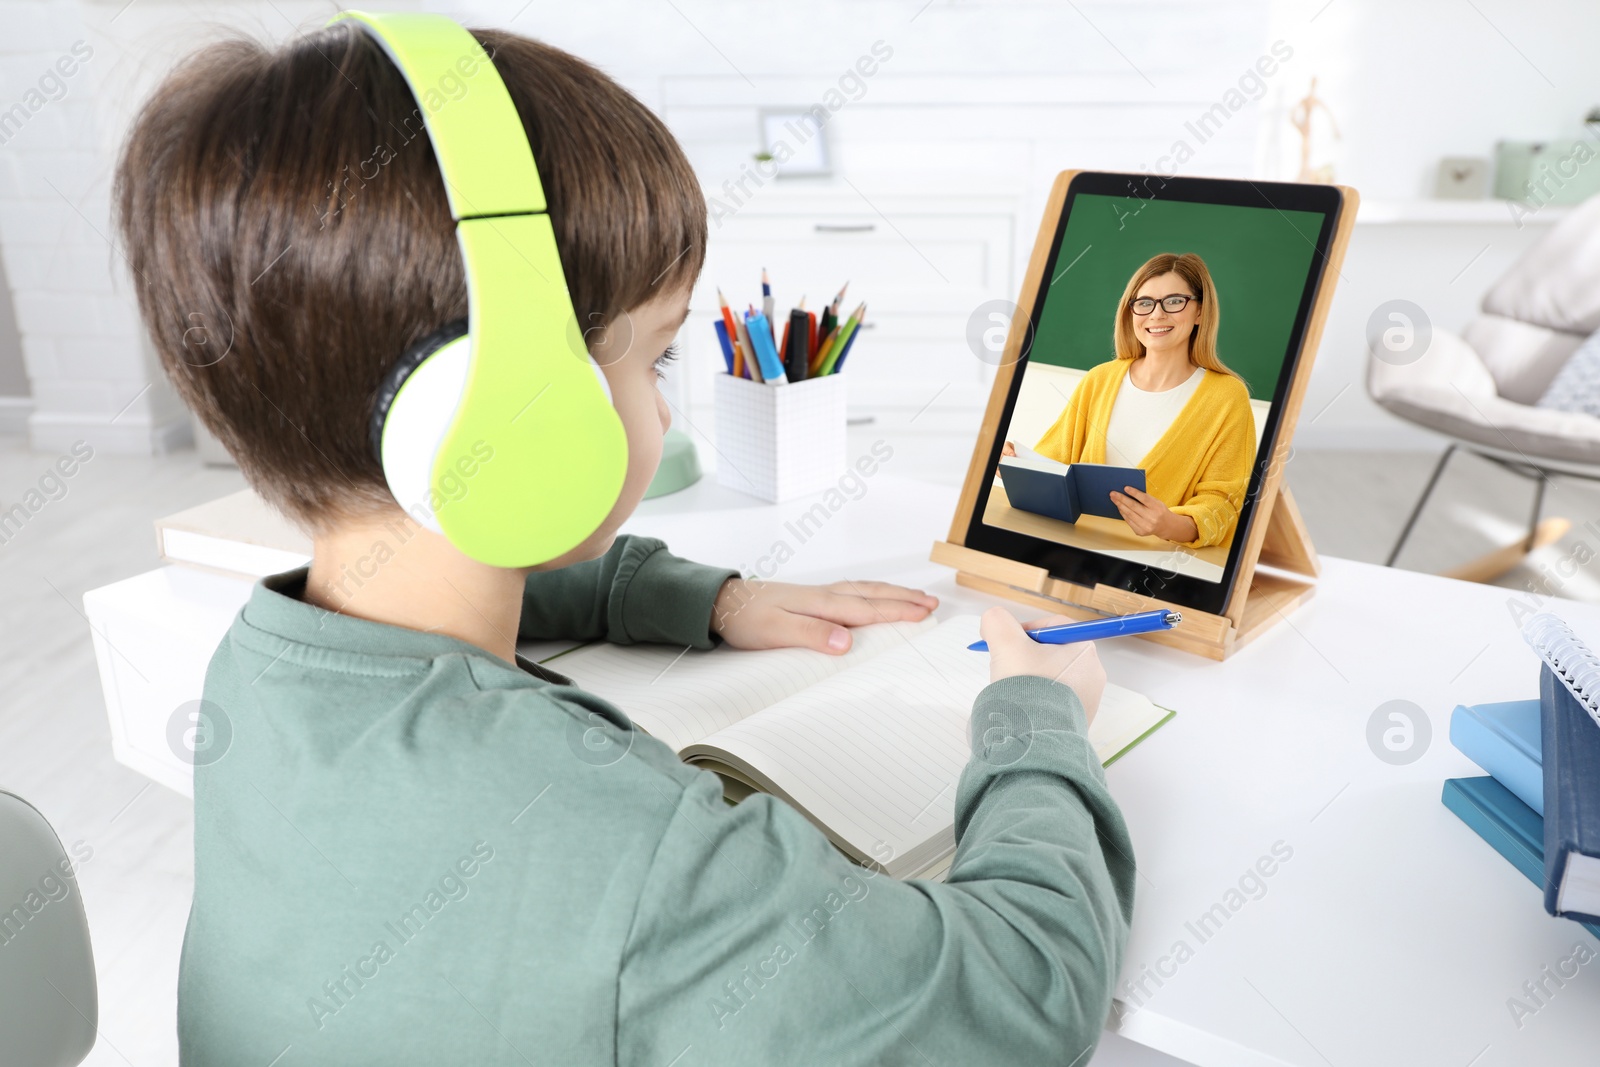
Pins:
<point x="1471" y="212"/>
<point x="957" y="193"/>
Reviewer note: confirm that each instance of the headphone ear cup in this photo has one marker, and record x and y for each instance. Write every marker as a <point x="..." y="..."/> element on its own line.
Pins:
<point x="416" y="403"/>
<point x="416" y="407"/>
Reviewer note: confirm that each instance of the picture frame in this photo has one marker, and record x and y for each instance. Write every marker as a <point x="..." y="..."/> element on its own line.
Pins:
<point x="795" y="141"/>
<point x="1462" y="178"/>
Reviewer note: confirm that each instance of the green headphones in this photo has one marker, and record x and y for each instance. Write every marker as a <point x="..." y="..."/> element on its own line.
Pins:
<point x="498" y="433"/>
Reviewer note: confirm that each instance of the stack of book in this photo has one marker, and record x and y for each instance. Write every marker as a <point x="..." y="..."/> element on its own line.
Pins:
<point x="1539" y="805"/>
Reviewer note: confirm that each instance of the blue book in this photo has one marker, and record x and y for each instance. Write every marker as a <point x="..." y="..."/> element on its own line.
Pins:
<point x="1504" y="740"/>
<point x="1509" y="826"/>
<point x="1064" y="490"/>
<point x="1569" y="697"/>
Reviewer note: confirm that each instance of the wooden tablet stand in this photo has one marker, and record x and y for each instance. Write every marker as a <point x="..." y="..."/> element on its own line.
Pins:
<point x="1260" y="598"/>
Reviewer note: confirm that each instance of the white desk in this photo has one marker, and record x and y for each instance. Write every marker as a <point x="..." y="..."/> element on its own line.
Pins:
<point x="1392" y="935"/>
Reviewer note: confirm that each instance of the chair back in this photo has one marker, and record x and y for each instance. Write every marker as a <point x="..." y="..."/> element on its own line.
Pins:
<point x="1541" y="309"/>
<point x="49" y="1004"/>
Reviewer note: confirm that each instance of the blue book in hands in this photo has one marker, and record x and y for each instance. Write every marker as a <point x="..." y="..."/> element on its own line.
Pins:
<point x="1064" y="490"/>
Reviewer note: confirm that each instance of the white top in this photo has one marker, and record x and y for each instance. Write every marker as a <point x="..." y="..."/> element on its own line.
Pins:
<point x="1139" y="418"/>
<point x="1387" y="909"/>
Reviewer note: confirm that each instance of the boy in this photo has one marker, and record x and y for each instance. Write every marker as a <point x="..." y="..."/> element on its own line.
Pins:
<point x="410" y="852"/>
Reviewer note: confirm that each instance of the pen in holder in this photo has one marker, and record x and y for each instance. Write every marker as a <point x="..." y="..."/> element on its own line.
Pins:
<point x="780" y="442"/>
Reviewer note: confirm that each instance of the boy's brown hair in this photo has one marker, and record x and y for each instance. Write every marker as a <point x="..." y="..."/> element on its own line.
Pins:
<point x="289" y="236"/>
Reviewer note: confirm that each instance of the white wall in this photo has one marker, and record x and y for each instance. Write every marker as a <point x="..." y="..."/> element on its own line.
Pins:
<point x="980" y="98"/>
<point x="15" y="401"/>
<point x="1410" y="82"/>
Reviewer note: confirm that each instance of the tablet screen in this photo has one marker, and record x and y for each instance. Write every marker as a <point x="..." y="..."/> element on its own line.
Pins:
<point x="1143" y="407"/>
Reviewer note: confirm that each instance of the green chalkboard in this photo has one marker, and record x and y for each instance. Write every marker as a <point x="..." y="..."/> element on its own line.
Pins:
<point x="1259" y="259"/>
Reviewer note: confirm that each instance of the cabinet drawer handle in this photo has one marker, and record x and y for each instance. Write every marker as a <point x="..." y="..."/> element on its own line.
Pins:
<point x="860" y="227"/>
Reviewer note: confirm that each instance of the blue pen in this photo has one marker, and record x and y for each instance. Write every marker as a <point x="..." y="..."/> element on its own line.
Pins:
<point x="1118" y="626"/>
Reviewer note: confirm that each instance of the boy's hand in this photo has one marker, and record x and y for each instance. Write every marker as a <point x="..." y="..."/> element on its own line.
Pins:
<point x="752" y="613"/>
<point x="1012" y="652"/>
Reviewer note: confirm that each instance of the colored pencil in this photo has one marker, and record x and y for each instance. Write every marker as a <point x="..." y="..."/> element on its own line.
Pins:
<point x="725" y="341"/>
<point x="822" y="353"/>
<point x="733" y="335"/>
<point x="830" y="313"/>
<point x="783" y="345"/>
<point x="825" y="325"/>
<point x="751" y="370"/>
<point x="766" y="301"/>
<point x="844" y="334"/>
<point x="838" y="364"/>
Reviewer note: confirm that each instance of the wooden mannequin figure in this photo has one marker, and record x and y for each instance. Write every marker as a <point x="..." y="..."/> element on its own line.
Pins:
<point x="1300" y="117"/>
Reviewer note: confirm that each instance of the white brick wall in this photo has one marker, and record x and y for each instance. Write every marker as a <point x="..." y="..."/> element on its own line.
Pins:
<point x="80" y="337"/>
<point x="1100" y="65"/>
<point x="92" y="373"/>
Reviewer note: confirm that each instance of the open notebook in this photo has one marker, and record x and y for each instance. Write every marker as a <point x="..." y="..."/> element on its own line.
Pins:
<point x="868" y="745"/>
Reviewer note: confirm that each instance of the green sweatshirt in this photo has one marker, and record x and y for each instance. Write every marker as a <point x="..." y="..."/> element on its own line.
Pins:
<point x="412" y="852"/>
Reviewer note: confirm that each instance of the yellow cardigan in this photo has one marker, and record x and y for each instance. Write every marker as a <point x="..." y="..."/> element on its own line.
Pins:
<point x="1200" y="467"/>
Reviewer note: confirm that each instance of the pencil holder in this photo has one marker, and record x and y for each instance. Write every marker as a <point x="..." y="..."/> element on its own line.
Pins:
<point x="778" y="442"/>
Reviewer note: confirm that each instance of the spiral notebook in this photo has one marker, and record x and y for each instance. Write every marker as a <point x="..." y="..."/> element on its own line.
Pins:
<point x="868" y="745"/>
<point x="1569" y="697"/>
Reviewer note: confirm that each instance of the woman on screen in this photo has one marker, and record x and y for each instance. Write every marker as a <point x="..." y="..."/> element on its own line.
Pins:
<point x="1167" y="405"/>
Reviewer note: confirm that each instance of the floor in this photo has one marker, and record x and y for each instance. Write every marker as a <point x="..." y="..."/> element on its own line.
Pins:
<point x="55" y="746"/>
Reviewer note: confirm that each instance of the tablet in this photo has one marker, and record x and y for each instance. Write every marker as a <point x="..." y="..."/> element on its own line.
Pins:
<point x="1166" y="329"/>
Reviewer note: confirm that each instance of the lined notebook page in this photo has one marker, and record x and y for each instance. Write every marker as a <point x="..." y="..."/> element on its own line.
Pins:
<point x="875" y="752"/>
<point x="682" y="697"/>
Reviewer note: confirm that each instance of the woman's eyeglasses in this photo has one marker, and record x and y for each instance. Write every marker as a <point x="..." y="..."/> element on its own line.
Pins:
<point x="1172" y="304"/>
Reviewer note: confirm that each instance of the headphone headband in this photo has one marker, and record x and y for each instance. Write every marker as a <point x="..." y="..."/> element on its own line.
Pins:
<point x="530" y="398"/>
<point x="476" y="132"/>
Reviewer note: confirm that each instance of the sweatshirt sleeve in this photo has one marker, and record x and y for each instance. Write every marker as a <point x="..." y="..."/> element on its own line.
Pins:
<point x="755" y="941"/>
<point x="637" y="591"/>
